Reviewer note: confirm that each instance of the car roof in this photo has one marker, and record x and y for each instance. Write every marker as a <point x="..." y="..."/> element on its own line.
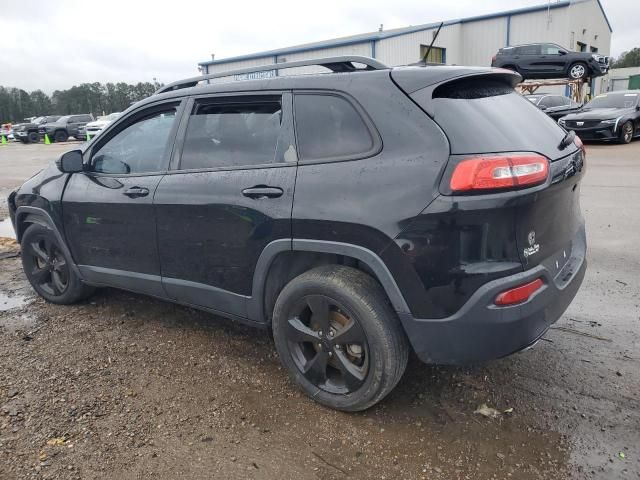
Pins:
<point x="340" y="80"/>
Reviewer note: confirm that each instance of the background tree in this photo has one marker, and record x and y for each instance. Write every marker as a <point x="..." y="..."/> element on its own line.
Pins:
<point x="94" y="98"/>
<point x="627" y="59"/>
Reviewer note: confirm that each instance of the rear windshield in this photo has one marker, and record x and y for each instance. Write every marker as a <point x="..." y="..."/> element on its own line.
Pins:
<point x="485" y="115"/>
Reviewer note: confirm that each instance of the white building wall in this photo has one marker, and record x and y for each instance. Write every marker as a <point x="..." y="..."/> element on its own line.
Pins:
<point x="543" y="26"/>
<point x="588" y="25"/>
<point x="405" y="49"/>
<point x="481" y="40"/>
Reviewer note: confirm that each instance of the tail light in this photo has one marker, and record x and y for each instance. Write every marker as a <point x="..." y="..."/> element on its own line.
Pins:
<point x="499" y="172"/>
<point x="518" y="294"/>
<point x="493" y="60"/>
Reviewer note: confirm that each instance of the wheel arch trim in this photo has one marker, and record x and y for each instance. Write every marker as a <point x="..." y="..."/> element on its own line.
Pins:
<point x="256" y="310"/>
<point x="39" y="216"/>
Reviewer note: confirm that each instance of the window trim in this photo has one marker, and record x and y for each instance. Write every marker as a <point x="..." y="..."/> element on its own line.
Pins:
<point x="284" y="139"/>
<point x="376" y="147"/>
<point x="127" y="120"/>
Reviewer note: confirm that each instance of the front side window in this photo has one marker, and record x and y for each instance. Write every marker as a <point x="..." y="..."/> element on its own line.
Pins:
<point x="232" y="133"/>
<point x="328" y="126"/>
<point x="139" y="148"/>
<point x="551" y="49"/>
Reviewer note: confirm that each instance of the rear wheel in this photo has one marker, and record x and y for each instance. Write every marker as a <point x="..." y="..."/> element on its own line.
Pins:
<point x="61" y="136"/>
<point x="626" y="132"/>
<point x="48" y="269"/>
<point x="578" y="70"/>
<point x="33" y="137"/>
<point x="339" y="338"/>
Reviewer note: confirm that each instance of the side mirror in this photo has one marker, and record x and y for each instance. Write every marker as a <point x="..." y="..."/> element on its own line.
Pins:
<point x="71" y="162"/>
<point x="542" y="107"/>
<point x="562" y="52"/>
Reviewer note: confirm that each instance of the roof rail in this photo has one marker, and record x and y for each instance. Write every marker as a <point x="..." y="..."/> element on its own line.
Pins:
<point x="335" y="64"/>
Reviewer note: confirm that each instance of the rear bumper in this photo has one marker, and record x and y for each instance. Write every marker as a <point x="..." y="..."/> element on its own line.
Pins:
<point x="482" y="331"/>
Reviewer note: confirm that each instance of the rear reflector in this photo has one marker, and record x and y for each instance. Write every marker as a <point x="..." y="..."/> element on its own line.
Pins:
<point x="499" y="172"/>
<point x="519" y="294"/>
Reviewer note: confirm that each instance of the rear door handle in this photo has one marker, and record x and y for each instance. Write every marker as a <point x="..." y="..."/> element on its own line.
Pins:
<point x="262" y="191"/>
<point x="136" y="192"/>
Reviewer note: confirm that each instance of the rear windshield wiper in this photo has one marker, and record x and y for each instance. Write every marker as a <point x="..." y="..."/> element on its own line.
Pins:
<point x="567" y="140"/>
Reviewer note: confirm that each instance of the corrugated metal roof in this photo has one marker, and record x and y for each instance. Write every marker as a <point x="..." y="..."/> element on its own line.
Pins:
<point x="374" y="36"/>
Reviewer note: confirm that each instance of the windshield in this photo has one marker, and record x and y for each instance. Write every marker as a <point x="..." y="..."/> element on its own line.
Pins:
<point x="613" y="100"/>
<point x="37" y="120"/>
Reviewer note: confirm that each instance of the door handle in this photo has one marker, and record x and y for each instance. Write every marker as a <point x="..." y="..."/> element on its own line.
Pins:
<point x="136" y="192"/>
<point x="262" y="191"/>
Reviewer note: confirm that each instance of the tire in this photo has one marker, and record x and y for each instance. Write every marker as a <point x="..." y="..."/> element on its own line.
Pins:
<point x="48" y="269"/>
<point x="626" y="132"/>
<point x="60" y="136"/>
<point x="578" y="71"/>
<point x="358" y="374"/>
<point x="33" y="137"/>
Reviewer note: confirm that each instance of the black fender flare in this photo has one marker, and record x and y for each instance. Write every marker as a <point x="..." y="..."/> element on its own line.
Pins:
<point x="39" y="216"/>
<point x="255" y="307"/>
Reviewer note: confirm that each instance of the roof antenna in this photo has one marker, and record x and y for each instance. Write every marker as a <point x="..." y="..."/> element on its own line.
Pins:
<point x="423" y="61"/>
<point x="381" y="27"/>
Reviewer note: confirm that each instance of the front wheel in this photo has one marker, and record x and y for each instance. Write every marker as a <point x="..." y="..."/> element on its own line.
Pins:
<point x="33" y="137"/>
<point x="626" y="132"/>
<point x="339" y="338"/>
<point x="48" y="269"/>
<point x="61" y="136"/>
<point x="578" y="70"/>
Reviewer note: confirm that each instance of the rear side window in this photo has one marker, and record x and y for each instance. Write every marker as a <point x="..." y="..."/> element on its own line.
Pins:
<point x="528" y="50"/>
<point x="242" y="133"/>
<point x="329" y="127"/>
<point x="485" y="114"/>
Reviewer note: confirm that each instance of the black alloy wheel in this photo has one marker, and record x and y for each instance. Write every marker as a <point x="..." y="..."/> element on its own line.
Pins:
<point x="339" y="338"/>
<point x="328" y="345"/>
<point x="626" y="132"/>
<point x="49" y="269"/>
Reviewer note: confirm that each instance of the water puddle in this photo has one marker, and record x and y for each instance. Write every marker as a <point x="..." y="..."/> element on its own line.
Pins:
<point x="6" y="229"/>
<point x="10" y="302"/>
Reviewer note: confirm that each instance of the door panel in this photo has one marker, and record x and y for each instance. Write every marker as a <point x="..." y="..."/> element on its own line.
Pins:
<point x="108" y="211"/>
<point x="213" y="223"/>
<point x="105" y="227"/>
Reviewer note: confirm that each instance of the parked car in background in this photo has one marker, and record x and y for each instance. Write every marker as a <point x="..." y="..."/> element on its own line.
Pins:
<point x="610" y="116"/>
<point x="64" y="127"/>
<point x="94" y="128"/>
<point x="28" y="132"/>
<point x="435" y="209"/>
<point x="548" y="60"/>
<point x="555" y="106"/>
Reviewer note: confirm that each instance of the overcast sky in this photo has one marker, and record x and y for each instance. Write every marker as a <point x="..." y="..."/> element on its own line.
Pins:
<point x="54" y="45"/>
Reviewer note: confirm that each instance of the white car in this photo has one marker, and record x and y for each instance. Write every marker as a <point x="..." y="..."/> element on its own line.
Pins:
<point x="94" y="128"/>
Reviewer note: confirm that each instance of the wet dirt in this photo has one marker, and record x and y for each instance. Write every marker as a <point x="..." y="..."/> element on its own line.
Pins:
<point x="124" y="386"/>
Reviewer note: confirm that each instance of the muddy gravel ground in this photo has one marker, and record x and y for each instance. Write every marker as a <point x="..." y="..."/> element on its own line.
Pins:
<point x="124" y="386"/>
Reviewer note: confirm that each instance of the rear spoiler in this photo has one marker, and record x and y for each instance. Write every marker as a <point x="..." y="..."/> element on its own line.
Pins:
<point x="411" y="79"/>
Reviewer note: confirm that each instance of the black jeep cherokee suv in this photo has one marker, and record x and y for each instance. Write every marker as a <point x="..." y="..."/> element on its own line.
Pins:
<point x="356" y="214"/>
<point x="548" y="60"/>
